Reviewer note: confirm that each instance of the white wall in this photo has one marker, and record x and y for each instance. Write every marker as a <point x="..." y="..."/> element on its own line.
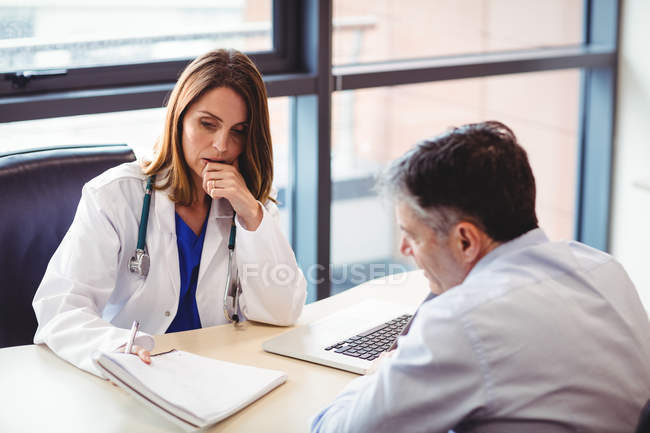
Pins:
<point x="630" y="231"/>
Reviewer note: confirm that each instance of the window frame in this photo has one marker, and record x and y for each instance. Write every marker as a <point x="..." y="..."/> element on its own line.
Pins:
<point x="300" y="66"/>
<point x="121" y="87"/>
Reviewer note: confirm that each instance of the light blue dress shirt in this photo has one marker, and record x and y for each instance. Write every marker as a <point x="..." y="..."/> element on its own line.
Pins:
<point x="540" y="337"/>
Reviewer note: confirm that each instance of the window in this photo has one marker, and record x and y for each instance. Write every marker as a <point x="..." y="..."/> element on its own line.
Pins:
<point x="344" y="76"/>
<point x="370" y="31"/>
<point x="65" y="34"/>
<point x="373" y="127"/>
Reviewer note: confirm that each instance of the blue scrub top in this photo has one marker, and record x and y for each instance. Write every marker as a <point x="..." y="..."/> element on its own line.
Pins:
<point x="189" y="257"/>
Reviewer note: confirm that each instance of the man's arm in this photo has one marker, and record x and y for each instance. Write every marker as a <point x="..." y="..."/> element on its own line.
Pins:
<point x="432" y="383"/>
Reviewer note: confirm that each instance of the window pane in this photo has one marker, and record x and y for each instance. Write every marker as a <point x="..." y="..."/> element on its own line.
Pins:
<point x="139" y="129"/>
<point x="37" y="34"/>
<point x="372" y="127"/>
<point x="367" y="31"/>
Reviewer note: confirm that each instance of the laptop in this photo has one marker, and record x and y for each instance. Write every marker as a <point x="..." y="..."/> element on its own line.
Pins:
<point x="349" y="339"/>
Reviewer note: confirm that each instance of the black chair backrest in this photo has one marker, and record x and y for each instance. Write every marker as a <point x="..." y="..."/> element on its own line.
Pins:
<point x="39" y="193"/>
<point x="643" y="425"/>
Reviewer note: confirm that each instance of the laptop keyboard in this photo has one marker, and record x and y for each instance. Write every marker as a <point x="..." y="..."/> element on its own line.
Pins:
<point x="371" y="343"/>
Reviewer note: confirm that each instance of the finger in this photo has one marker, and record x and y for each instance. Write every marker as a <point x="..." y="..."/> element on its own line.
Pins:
<point x="144" y="355"/>
<point x="374" y="367"/>
<point x="217" y="191"/>
<point x="140" y="351"/>
<point x="386" y="355"/>
<point x="376" y="364"/>
<point x="211" y="179"/>
<point x="226" y="182"/>
<point x="218" y="166"/>
<point x="220" y="175"/>
<point x="209" y="172"/>
<point x="227" y="186"/>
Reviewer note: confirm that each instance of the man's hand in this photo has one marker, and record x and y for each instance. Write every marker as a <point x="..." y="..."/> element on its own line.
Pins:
<point x="377" y="362"/>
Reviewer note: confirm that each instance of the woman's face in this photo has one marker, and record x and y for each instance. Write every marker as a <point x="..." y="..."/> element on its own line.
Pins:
<point x="214" y="130"/>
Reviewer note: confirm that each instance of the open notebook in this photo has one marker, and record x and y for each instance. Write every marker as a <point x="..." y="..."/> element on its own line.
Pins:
<point x="189" y="389"/>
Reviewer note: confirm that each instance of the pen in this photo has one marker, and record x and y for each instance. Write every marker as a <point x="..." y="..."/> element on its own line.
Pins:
<point x="134" y="331"/>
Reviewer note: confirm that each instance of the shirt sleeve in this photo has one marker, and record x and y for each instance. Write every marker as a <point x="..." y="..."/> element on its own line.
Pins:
<point x="77" y="285"/>
<point x="431" y="384"/>
<point x="273" y="286"/>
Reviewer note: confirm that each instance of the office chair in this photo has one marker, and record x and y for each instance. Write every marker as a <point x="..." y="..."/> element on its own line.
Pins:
<point x="643" y="426"/>
<point x="39" y="193"/>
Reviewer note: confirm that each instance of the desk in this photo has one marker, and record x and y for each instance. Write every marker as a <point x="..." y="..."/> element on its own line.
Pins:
<point x="39" y="392"/>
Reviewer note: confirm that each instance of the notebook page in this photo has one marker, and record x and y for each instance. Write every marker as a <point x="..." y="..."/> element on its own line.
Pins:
<point x="203" y="386"/>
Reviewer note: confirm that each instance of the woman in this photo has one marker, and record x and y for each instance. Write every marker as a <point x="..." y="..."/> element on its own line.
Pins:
<point x="212" y="169"/>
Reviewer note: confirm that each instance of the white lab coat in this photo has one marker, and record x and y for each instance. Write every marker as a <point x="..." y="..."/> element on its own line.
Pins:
<point x="88" y="299"/>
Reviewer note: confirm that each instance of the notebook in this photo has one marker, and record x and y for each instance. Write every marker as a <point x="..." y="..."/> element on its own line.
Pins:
<point x="333" y="341"/>
<point x="191" y="390"/>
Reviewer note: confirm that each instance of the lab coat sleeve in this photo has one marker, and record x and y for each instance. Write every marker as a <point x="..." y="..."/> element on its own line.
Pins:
<point x="431" y="383"/>
<point x="273" y="286"/>
<point x="77" y="285"/>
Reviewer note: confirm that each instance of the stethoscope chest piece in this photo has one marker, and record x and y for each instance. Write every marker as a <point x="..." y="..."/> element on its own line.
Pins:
<point x="139" y="264"/>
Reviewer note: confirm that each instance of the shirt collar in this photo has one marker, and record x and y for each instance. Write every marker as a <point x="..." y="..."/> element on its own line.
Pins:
<point x="530" y="238"/>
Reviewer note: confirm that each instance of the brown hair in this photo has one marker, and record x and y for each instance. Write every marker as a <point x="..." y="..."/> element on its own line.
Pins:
<point x="221" y="68"/>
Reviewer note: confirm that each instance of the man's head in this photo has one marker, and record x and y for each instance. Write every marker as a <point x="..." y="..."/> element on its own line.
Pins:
<point x="458" y="196"/>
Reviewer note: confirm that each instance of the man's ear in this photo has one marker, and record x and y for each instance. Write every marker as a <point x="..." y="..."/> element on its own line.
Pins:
<point x="468" y="241"/>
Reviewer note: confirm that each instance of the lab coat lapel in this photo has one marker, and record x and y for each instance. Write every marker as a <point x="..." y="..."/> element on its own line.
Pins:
<point x="164" y="212"/>
<point x="220" y="212"/>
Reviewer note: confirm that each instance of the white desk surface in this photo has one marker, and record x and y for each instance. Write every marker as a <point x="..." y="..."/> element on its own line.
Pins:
<point x="39" y="392"/>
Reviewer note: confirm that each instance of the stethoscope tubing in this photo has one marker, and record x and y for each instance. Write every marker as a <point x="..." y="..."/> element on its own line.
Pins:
<point x="232" y="278"/>
<point x="144" y="218"/>
<point x="141" y="256"/>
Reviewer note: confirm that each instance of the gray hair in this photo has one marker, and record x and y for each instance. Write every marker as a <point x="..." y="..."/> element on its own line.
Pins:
<point x="477" y="173"/>
<point x="391" y="184"/>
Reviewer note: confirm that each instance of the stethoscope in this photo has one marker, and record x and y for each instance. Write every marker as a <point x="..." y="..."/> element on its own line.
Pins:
<point x="139" y="263"/>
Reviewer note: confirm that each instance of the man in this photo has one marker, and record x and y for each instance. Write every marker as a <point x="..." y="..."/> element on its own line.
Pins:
<point x="526" y="335"/>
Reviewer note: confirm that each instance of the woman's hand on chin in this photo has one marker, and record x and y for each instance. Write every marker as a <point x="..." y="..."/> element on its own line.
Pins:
<point x="222" y="180"/>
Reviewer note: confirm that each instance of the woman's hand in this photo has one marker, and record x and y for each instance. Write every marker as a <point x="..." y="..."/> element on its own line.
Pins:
<point x="142" y="353"/>
<point x="221" y="180"/>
